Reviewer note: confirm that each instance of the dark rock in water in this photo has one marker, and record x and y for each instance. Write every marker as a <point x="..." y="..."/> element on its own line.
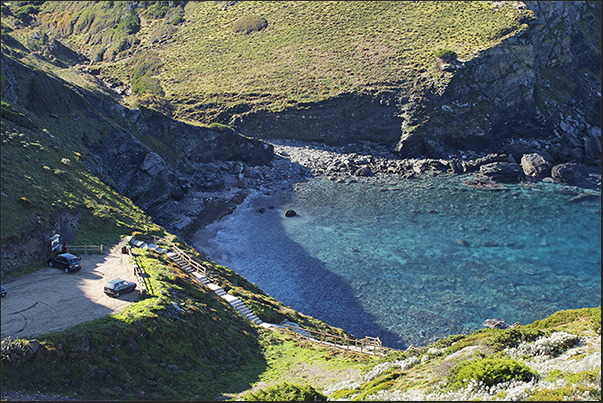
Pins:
<point x="506" y="172"/>
<point x="261" y="210"/>
<point x="569" y="173"/>
<point x="567" y="190"/>
<point x="480" y="182"/>
<point x="290" y="213"/>
<point x="490" y="243"/>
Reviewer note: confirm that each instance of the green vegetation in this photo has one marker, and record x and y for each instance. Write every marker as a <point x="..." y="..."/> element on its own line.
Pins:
<point x="43" y="177"/>
<point x="191" y="60"/>
<point x="499" y="340"/>
<point x="570" y="320"/>
<point x="446" y="54"/>
<point x="14" y="351"/>
<point x="152" y="350"/>
<point x="203" y="349"/>
<point x="285" y="392"/>
<point x="489" y="371"/>
<point x="298" y="52"/>
<point x="249" y="24"/>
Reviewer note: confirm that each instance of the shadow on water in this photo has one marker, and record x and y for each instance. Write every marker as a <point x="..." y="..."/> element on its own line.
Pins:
<point x="411" y="262"/>
<point x="253" y="242"/>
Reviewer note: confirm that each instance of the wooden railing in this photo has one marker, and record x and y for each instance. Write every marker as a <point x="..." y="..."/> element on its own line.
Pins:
<point x="138" y="272"/>
<point x="368" y="345"/>
<point x="86" y="248"/>
<point x="194" y="264"/>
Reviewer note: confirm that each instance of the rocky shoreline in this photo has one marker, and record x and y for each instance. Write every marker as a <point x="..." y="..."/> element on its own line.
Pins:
<point x="297" y="161"/>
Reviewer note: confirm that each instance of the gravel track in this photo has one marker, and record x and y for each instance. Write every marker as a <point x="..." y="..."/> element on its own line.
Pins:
<point x="50" y="300"/>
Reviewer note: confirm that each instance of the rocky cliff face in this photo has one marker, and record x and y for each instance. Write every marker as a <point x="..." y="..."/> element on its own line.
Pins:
<point x="145" y="155"/>
<point x="538" y="91"/>
<point x="337" y="121"/>
<point x="154" y="159"/>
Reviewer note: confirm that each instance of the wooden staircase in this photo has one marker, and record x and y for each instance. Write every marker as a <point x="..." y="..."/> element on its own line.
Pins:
<point x="199" y="274"/>
<point x="368" y="345"/>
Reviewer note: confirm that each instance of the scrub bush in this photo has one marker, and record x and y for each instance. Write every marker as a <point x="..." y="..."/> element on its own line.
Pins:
<point x="249" y="24"/>
<point x="489" y="371"/>
<point x="446" y="54"/>
<point x="14" y="350"/>
<point x="285" y="391"/>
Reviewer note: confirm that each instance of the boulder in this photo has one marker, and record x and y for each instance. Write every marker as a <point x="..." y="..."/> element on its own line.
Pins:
<point x="535" y="165"/>
<point x="363" y="171"/>
<point x="506" y="172"/>
<point x="153" y="164"/>
<point x="290" y="213"/>
<point x="569" y="173"/>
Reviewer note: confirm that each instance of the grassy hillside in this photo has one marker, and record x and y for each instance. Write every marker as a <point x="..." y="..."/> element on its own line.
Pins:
<point x="195" y="60"/>
<point x="203" y="57"/>
<point x="153" y="351"/>
<point x="205" y="351"/>
<point x="43" y="177"/>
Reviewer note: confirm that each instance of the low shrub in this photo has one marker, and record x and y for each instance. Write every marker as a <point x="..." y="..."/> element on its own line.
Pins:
<point x="162" y="33"/>
<point x="153" y="101"/>
<point x="14" y="350"/>
<point x="130" y="24"/>
<point x="508" y="338"/>
<point x="147" y="85"/>
<point x="220" y="127"/>
<point x="553" y="345"/>
<point x="595" y="320"/>
<point x="489" y="371"/>
<point x="285" y="392"/>
<point x="249" y="24"/>
<point x="446" y="54"/>
<point x="26" y="13"/>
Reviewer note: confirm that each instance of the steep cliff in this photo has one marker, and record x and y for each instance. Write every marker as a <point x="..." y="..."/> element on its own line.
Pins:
<point x="538" y="91"/>
<point x="141" y="154"/>
<point x="542" y="84"/>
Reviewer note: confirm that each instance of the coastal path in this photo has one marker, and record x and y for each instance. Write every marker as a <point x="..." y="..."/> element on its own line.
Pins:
<point x="367" y="345"/>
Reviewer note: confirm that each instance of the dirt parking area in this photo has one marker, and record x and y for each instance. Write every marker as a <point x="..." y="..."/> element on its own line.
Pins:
<point x="50" y="300"/>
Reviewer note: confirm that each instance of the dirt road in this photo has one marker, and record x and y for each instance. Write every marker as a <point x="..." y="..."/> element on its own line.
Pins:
<point x="49" y="300"/>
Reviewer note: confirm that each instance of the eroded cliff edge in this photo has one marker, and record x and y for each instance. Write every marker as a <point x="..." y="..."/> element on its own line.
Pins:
<point x="538" y="91"/>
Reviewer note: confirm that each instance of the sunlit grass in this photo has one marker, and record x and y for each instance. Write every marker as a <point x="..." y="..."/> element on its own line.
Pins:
<point x="308" y="51"/>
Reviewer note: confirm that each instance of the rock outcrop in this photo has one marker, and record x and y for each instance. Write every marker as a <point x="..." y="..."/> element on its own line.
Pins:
<point x="523" y="96"/>
<point x="534" y="165"/>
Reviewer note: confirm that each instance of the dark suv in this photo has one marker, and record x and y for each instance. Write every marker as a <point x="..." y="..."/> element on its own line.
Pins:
<point x="118" y="286"/>
<point x="66" y="261"/>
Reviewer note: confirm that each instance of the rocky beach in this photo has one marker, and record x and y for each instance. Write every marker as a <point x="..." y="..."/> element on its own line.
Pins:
<point x="246" y="229"/>
<point x="296" y="161"/>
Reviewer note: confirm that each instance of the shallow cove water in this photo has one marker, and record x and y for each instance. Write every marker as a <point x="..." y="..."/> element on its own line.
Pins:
<point x="411" y="261"/>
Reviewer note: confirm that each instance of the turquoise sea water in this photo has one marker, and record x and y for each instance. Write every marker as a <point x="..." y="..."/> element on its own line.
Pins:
<point x="410" y="261"/>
